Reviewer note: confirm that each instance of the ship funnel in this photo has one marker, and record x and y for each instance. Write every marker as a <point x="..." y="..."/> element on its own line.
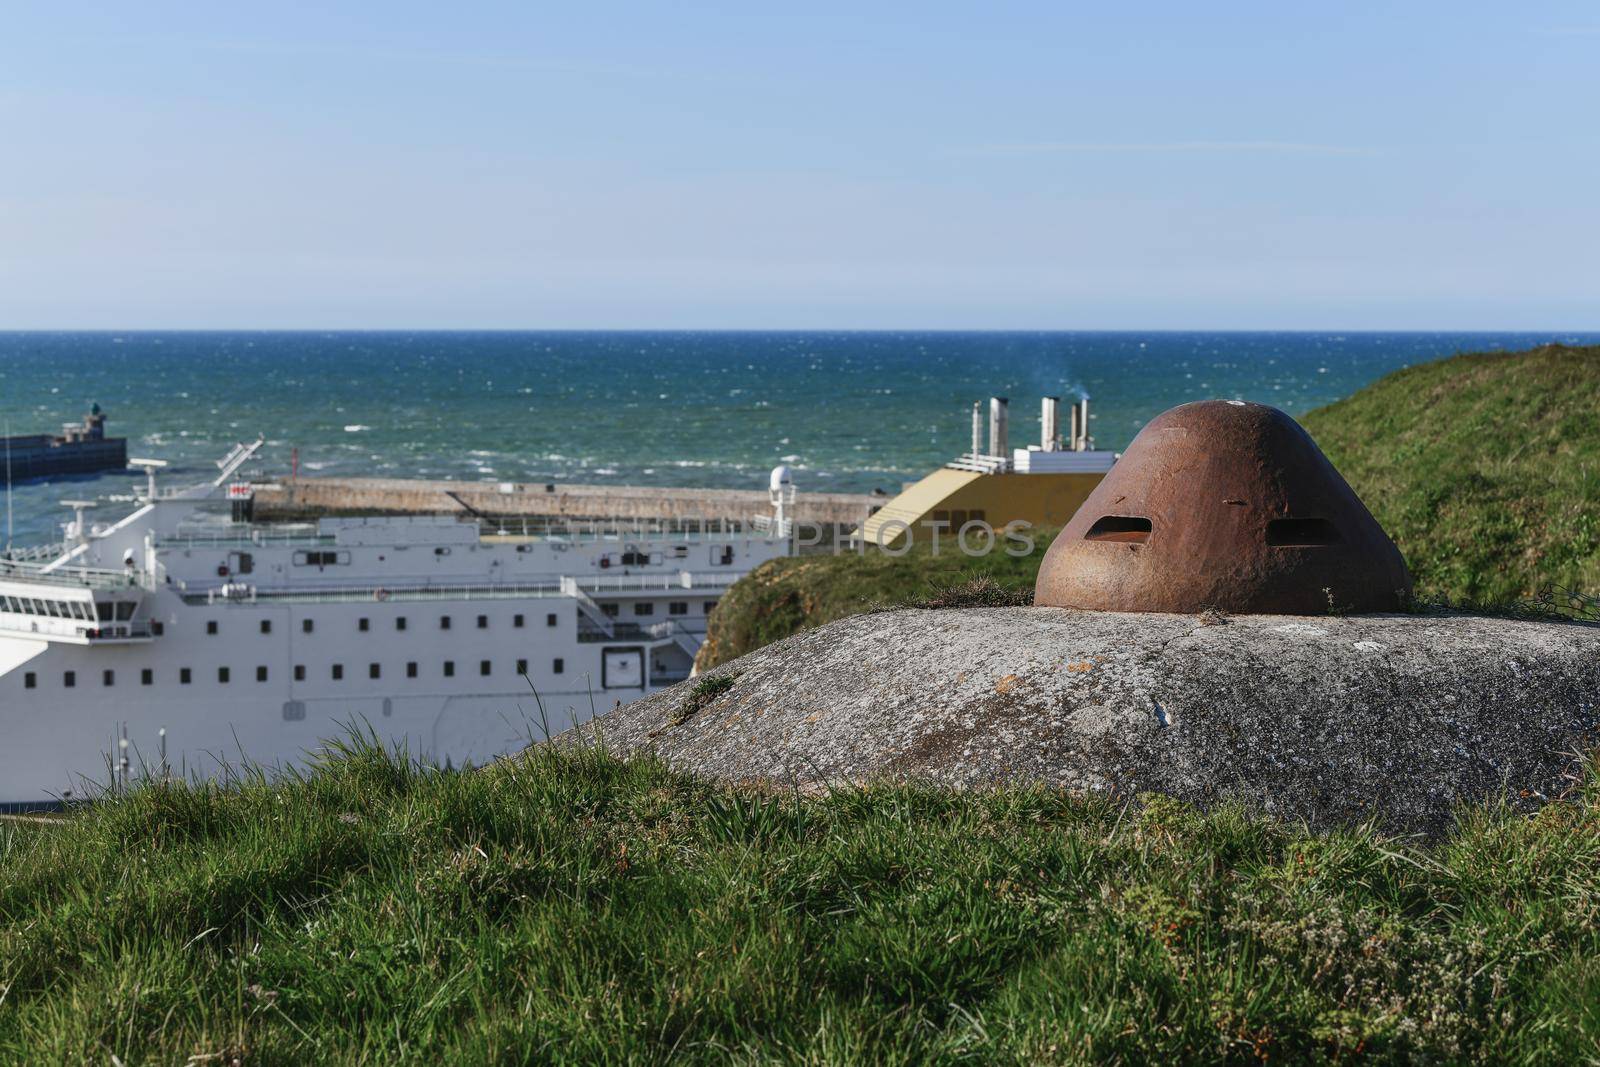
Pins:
<point x="1050" y="423"/>
<point x="998" y="406"/>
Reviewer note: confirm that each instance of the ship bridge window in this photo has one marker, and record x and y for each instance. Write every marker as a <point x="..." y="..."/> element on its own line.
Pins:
<point x="644" y="607"/>
<point x="125" y="610"/>
<point x="105" y="609"/>
<point x="635" y="558"/>
<point x="321" y="559"/>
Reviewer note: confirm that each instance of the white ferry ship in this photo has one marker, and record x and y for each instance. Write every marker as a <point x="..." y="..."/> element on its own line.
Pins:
<point x="186" y="638"/>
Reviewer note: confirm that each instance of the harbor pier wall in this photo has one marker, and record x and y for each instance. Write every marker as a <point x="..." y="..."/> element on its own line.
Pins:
<point x="310" y="497"/>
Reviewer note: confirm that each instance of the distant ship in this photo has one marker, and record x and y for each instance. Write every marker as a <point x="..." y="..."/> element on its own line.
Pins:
<point x="185" y="634"/>
<point x="80" y="448"/>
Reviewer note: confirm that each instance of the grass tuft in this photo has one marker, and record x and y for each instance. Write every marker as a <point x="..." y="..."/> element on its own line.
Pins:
<point x="570" y="905"/>
<point x="977" y="591"/>
<point x="702" y="693"/>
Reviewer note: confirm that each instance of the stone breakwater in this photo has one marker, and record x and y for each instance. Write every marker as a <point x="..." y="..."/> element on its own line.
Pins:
<point x="1331" y="720"/>
<point x="333" y="496"/>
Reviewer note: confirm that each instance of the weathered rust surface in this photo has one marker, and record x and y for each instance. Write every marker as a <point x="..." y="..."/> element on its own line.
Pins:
<point x="1224" y="505"/>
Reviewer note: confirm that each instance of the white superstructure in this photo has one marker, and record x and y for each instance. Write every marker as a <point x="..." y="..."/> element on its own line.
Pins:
<point x="185" y="638"/>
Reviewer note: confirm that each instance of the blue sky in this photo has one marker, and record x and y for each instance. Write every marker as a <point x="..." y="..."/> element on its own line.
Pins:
<point x="1026" y="165"/>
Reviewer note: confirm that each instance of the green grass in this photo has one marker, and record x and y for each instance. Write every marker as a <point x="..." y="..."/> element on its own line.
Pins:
<point x="1485" y="469"/>
<point x="703" y="692"/>
<point x="573" y="907"/>
<point x="784" y="596"/>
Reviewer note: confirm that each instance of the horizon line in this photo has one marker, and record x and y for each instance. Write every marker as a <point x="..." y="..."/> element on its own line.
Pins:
<point x="4" y="330"/>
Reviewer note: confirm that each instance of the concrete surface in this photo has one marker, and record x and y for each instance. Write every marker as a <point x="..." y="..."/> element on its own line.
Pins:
<point x="1325" y="719"/>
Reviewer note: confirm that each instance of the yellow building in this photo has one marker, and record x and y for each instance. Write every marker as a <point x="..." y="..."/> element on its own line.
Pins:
<point x="1041" y="485"/>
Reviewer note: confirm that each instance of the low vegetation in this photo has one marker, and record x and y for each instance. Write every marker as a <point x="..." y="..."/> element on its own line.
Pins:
<point x="784" y="596"/>
<point x="1485" y="469"/>
<point x="701" y="693"/>
<point x="573" y="907"/>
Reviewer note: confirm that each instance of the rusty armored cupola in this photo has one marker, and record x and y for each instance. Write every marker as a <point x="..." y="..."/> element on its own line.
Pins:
<point x="1225" y="505"/>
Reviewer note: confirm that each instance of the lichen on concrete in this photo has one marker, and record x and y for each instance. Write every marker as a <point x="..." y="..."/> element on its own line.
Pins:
<point x="1395" y="718"/>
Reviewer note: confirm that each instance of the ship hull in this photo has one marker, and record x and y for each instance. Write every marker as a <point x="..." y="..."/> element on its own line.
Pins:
<point x="35" y="458"/>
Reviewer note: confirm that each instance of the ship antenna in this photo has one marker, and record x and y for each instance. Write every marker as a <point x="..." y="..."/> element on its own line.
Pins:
<point x="8" y="485"/>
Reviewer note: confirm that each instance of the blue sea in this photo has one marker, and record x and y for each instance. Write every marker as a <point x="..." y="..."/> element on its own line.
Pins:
<point x="847" y="411"/>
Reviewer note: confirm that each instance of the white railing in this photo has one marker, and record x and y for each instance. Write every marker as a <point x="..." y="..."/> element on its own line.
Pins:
<point x="636" y="583"/>
<point x="75" y="630"/>
<point x="592" y="611"/>
<point x="980" y="464"/>
<point x="74" y="577"/>
<point x="41" y="553"/>
<point x="445" y="589"/>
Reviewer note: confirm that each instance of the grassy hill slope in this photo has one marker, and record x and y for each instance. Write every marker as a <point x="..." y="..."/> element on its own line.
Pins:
<point x="573" y="908"/>
<point x="1485" y="469"/>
